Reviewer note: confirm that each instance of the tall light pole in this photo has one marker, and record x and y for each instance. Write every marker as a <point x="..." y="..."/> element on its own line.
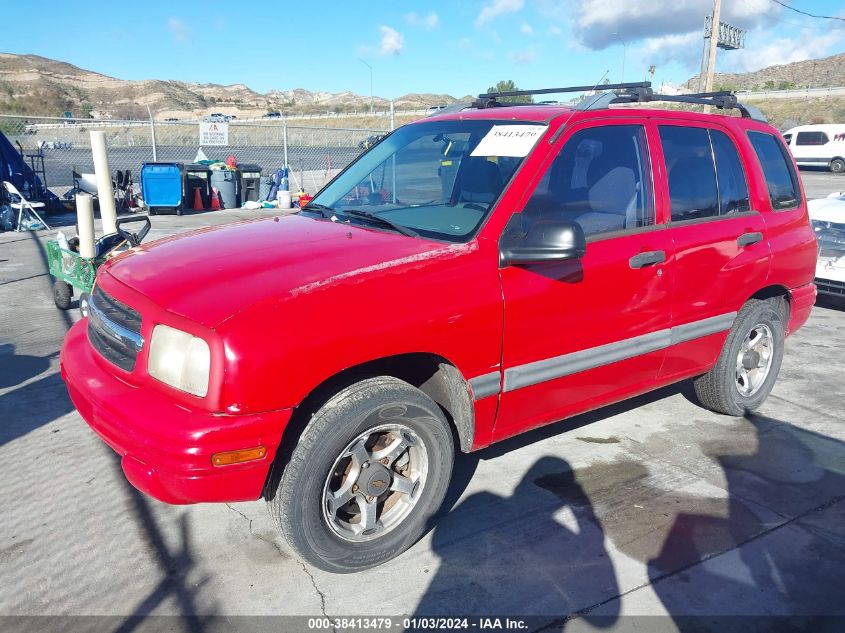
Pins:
<point x="624" y="52"/>
<point x="371" y="81"/>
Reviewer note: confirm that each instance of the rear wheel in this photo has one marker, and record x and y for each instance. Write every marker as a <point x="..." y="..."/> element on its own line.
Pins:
<point x="62" y="294"/>
<point x="749" y="363"/>
<point x="369" y="471"/>
<point x="837" y="165"/>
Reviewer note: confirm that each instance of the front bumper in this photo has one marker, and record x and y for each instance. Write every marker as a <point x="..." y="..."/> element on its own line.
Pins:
<point x="830" y="276"/>
<point x="166" y="447"/>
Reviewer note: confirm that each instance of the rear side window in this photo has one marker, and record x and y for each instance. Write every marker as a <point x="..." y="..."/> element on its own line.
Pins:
<point x="730" y="178"/>
<point x="811" y="138"/>
<point x="781" y="179"/>
<point x="693" y="191"/>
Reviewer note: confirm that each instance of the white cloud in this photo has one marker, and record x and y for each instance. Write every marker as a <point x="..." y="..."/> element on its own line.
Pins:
<point x="596" y="21"/>
<point x="391" y="41"/>
<point x="180" y="31"/>
<point x="784" y="50"/>
<point x="526" y="29"/>
<point x="495" y="8"/>
<point x="555" y="30"/>
<point x="684" y="49"/>
<point x="521" y="58"/>
<point x="429" y="21"/>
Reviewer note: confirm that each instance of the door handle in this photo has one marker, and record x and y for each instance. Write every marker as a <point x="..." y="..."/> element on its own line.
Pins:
<point x="747" y="239"/>
<point x="647" y="258"/>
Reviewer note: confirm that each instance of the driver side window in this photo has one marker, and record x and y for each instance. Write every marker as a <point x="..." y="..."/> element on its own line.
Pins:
<point x="600" y="180"/>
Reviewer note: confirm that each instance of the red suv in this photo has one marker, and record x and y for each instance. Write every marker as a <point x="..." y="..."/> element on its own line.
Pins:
<point x="472" y="276"/>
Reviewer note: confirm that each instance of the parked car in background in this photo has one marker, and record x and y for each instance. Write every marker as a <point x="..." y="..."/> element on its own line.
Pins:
<point x="821" y="145"/>
<point x="170" y="118"/>
<point x="827" y="215"/>
<point x="333" y="361"/>
<point x="215" y="117"/>
<point x="273" y="115"/>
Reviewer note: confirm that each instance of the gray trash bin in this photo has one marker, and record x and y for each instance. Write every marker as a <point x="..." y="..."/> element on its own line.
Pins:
<point x="226" y="182"/>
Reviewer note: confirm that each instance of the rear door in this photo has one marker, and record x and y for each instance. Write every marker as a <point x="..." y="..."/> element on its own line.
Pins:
<point x="582" y="333"/>
<point x="721" y="252"/>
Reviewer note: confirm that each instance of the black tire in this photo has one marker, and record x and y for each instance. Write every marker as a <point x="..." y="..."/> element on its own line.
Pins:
<point x="297" y="506"/>
<point x="62" y="294"/>
<point x="151" y="211"/>
<point x="84" y="298"/>
<point x="718" y="389"/>
<point x="837" y="165"/>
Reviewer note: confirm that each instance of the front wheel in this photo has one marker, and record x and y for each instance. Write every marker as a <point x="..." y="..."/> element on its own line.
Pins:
<point x="369" y="471"/>
<point x="749" y="363"/>
<point x="837" y="165"/>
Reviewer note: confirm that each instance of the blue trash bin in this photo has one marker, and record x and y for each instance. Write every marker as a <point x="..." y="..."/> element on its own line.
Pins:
<point x="161" y="186"/>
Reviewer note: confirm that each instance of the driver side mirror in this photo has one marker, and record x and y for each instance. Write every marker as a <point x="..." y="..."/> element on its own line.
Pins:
<point x="544" y="241"/>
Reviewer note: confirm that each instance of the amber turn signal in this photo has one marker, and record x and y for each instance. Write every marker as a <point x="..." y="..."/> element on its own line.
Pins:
<point x="236" y="457"/>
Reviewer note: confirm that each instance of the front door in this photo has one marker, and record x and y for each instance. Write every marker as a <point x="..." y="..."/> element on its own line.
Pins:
<point x="583" y="333"/>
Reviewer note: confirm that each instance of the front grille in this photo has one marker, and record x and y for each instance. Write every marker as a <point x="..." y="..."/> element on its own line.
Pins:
<point x="114" y="330"/>
<point x="830" y="286"/>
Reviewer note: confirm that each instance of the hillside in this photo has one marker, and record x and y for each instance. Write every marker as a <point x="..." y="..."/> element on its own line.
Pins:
<point x="815" y="73"/>
<point x="35" y="85"/>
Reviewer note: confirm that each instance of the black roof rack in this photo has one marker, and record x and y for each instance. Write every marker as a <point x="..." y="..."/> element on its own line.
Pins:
<point x="638" y="92"/>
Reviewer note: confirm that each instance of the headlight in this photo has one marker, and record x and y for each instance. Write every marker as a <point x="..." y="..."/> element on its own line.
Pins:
<point x="179" y="360"/>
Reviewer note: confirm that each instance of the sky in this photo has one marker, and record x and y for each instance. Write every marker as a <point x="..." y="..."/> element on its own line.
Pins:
<point x="456" y="47"/>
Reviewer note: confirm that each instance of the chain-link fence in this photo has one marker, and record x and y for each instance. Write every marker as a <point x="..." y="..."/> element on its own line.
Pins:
<point x="314" y="152"/>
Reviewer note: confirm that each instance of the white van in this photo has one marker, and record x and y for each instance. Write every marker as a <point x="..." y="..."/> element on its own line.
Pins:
<point x="820" y="145"/>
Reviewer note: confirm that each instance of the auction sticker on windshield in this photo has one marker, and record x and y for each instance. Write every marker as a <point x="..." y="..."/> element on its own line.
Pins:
<point x="509" y="140"/>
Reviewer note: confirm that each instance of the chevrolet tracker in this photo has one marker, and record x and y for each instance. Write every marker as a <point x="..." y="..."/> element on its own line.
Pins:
<point x="485" y="271"/>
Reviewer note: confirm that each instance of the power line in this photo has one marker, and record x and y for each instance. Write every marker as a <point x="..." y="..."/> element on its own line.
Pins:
<point x="812" y="15"/>
<point x="803" y="25"/>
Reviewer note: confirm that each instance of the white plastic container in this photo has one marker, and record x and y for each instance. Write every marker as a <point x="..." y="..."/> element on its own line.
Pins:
<point x="284" y="199"/>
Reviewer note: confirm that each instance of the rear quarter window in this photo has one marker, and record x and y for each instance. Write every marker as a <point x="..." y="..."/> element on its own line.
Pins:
<point x="781" y="179"/>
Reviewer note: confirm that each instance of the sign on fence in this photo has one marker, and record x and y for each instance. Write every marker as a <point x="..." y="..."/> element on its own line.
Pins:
<point x="214" y="133"/>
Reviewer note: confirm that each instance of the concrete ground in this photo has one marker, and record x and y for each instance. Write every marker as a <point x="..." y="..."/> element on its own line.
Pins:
<point x="653" y="507"/>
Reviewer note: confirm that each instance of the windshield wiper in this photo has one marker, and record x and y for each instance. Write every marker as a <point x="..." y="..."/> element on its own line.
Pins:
<point x="358" y="213"/>
<point x="325" y="211"/>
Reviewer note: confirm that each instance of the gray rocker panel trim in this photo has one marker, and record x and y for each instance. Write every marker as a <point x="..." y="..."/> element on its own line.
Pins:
<point x="566" y="364"/>
<point x="485" y="385"/>
<point x="705" y="327"/>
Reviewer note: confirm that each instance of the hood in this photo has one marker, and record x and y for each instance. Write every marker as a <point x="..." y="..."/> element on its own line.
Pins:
<point x="827" y="209"/>
<point x="213" y="273"/>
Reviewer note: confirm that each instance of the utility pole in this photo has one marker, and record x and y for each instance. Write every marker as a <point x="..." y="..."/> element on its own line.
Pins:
<point x="714" y="40"/>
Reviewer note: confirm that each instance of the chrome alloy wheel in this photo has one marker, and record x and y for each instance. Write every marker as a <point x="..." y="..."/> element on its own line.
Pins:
<point x="375" y="482"/>
<point x="754" y="360"/>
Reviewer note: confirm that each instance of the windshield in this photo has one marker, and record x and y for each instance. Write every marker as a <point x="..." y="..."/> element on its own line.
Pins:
<point x="438" y="179"/>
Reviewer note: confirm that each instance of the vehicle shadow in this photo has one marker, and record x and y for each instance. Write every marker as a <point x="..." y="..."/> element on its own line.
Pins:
<point x="537" y="552"/>
<point x="784" y="563"/>
<point x="495" y="563"/>
<point x="18" y="368"/>
<point x="46" y="399"/>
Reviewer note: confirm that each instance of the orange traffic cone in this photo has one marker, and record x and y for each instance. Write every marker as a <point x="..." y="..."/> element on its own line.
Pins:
<point x="198" y="205"/>
<point x="215" y="199"/>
